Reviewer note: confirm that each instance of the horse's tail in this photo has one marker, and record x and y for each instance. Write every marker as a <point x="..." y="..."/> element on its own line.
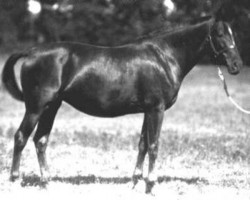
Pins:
<point x="8" y="76"/>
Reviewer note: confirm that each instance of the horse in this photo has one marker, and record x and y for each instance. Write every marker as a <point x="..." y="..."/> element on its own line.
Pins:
<point x="143" y="76"/>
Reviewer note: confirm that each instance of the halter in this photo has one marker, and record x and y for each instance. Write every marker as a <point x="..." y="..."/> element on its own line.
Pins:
<point x="222" y="78"/>
<point x="218" y="52"/>
<point x="220" y="74"/>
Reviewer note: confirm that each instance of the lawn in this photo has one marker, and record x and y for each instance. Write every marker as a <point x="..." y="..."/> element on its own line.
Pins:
<point x="204" y="147"/>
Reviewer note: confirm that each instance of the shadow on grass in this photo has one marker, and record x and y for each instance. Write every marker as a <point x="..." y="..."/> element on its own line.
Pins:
<point x="34" y="180"/>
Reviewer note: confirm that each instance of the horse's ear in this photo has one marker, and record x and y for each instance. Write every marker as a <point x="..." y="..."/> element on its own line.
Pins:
<point x="216" y="10"/>
<point x="221" y="9"/>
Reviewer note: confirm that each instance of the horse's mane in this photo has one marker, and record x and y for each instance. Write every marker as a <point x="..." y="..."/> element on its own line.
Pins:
<point x="167" y="29"/>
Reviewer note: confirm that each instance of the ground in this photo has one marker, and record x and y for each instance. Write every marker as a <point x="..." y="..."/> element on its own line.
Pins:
<point x="204" y="148"/>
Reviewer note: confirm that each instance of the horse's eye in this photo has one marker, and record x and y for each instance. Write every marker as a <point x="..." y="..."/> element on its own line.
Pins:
<point x="220" y="33"/>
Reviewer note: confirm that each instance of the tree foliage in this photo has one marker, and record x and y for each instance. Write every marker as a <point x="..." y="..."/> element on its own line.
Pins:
<point x="112" y="22"/>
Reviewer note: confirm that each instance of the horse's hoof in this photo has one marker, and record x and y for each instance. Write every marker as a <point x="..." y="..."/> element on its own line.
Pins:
<point x="14" y="176"/>
<point x="149" y="187"/>
<point x="44" y="181"/>
<point x="136" y="179"/>
<point x="45" y="178"/>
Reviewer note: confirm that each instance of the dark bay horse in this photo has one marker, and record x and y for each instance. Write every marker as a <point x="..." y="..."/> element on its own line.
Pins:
<point x="140" y="77"/>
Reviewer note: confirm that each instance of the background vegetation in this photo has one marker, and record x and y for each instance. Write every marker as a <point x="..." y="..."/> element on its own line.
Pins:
<point x="111" y="22"/>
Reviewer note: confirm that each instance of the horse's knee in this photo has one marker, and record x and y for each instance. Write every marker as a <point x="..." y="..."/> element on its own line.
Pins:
<point x="41" y="143"/>
<point x="153" y="150"/>
<point x="20" y="140"/>
<point x="142" y="146"/>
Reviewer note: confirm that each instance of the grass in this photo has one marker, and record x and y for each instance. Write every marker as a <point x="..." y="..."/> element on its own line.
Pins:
<point x="204" y="148"/>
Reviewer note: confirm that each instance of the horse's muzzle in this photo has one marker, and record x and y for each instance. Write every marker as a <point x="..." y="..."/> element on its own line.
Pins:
<point x="235" y="67"/>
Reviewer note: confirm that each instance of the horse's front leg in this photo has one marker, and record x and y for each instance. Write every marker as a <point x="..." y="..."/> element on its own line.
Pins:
<point x="154" y="123"/>
<point x="143" y="148"/>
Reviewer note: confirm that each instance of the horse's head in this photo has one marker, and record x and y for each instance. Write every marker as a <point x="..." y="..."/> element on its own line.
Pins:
<point x="224" y="50"/>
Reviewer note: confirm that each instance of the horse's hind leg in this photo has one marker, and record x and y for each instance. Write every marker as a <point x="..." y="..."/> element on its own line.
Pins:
<point x="42" y="136"/>
<point x="143" y="148"/>
<point x="21" y="136"/>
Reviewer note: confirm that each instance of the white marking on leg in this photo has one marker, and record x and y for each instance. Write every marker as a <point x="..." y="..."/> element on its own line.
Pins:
<point x="137" y="171"/>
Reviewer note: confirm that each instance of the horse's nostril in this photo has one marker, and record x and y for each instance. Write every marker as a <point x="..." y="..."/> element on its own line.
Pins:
<point x="234" y="69"/>
<point x="235" y="65"/>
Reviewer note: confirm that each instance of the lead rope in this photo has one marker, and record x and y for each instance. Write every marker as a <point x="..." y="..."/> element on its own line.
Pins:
<point x="222" y="78"/>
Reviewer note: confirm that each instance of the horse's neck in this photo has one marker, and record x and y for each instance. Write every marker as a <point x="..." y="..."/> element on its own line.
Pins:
<point x="188" y="46"/>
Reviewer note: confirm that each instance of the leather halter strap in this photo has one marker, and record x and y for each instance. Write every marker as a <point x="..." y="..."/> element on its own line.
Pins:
<point x="219" y="52"/>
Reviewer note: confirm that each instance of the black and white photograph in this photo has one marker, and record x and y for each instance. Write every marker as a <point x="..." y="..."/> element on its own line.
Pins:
<point x="125" y="99"/>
